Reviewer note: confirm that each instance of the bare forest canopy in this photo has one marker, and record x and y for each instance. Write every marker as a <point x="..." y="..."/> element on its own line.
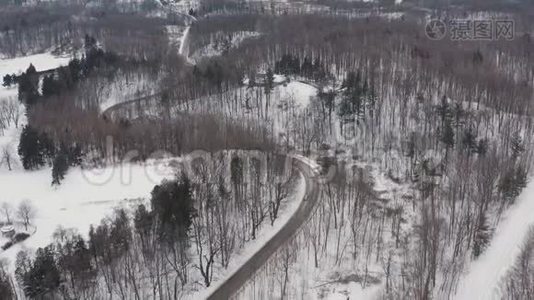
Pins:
<point x="444" y="126"/>
<point x="30" y="30"/>
<point x="468" y="71"/>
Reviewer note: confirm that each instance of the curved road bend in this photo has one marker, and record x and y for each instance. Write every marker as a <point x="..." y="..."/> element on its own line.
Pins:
<point x="249" y="268"/>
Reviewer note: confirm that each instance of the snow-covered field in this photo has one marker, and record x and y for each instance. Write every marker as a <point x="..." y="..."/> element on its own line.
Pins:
<point x="84" y="197"/>
<point x="41" y="62"/>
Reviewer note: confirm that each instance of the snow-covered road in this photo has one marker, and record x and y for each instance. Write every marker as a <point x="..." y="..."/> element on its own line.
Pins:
<point x="183" y="43"/>
<point x="483" y="278"/>
<point x="227" y="288"/>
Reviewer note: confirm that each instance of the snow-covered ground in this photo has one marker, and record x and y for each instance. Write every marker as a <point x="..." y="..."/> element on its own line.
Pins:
<point x="177" y="35"/>
<point x="84" y="197"/>
<point x="126" y="87"/>
<point x="485" y="274"/>
<point x="41" y="62"/>
<point x="17" y="65"/>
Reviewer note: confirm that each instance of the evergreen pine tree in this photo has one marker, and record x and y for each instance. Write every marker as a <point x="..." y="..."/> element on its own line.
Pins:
<point x="30" y="149"/>
<point x="43" y="278"/>
<point x="7" y="80"/>
<point x="7" y="290"/>
<point x="59" y="168"/>
<point x="27" y="88"/>
<point x="50" y="86"/>
<point x="172" y="202"/>
<point x="47" y="147"/>
<point x="31" y="70"/>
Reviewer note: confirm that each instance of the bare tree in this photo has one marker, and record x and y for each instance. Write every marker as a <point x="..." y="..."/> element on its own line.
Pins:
<point x="10" y="112"/>
<point x="26" y="213"/>
<point x="7" y="157"/>
<point x="7" y="210"/>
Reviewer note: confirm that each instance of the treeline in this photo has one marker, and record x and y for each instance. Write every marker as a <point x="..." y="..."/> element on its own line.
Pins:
<point x="64" y="78"/>
<point x="79" y="103"/>
<point x="33" y="29"/>
<point x="36" y="147"/>
<point x="61" y="27"/>
<point x="307" y="67"/>
<point x="205" y="32"/>
<point x="519" y="281"/>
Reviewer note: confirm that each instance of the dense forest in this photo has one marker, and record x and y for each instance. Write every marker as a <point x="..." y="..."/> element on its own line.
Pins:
<point x="430" y="142"/>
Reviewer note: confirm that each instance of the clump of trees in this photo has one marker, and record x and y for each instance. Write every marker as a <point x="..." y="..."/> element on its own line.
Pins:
<point x="35" y="148"/>
<point x="26" y="213"/>
<point x="65" y="78"/>
<point x="519" y="281"/>
<point x="7" y="286"/>
<point x="9" y="80"/>
<point x="293" y="64"/>
<point x="357" y="97"/>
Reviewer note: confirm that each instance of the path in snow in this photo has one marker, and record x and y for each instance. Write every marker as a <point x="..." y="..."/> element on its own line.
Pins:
<point x="483" y="278"/>
<point x="184" y="41"/>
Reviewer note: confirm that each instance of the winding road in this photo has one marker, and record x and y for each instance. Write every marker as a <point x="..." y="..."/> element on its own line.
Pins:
<point x="231" y="286"/>
<point x="246" y="271"/>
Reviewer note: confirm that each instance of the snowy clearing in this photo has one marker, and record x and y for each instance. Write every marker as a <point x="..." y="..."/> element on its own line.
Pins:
<point x="84" y="198"/>
<point x="41" y="62"/>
